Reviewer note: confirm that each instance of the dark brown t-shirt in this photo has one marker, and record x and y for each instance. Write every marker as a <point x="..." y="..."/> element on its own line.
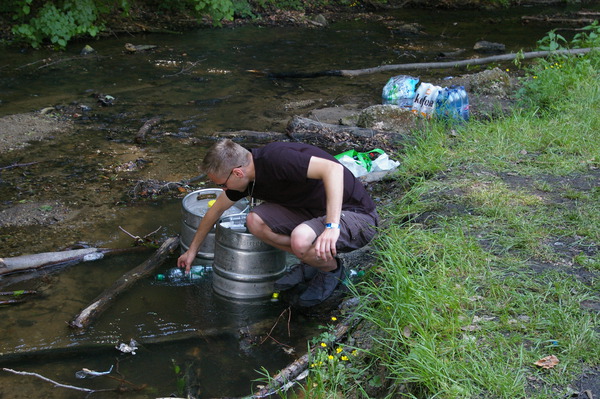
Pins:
<point x="281" y="170"/>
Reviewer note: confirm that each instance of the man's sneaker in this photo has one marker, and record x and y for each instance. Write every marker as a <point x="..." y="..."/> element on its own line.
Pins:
<point x="300" y="273"/>
<point x="321" y="287"/>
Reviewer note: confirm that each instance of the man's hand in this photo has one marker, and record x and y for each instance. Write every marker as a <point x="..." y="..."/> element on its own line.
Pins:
<point x="185" y="261"/>
<point x="325" y="244"/>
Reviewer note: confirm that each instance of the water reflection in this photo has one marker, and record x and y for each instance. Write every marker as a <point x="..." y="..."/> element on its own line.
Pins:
<point x="215" y="339"/>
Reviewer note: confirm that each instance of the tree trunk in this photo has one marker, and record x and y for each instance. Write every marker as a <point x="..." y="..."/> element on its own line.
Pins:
<point x="104" y="300"/>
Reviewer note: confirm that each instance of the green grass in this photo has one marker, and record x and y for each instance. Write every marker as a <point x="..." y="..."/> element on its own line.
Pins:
<point x="464" y="301"/>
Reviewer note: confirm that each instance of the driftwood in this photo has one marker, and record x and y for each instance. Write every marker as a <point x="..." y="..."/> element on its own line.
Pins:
<point x="119" y="389"/>
<point x="44" y="259"/>
<point x="56" y="384"/>
<point x="558" y="20"/>
<point x="306" y="130"/>
<point x="140" y="137"/>
<point x="17" y="296"/>
<point x="299" y="126"/>
<point x="104" y="300"/>
<point x="256" y="137"/>
<point x="423" y="65"/>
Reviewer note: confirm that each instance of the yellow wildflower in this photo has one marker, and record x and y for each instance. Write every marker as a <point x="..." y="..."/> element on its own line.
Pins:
<point x="338" y="349"/>
<point x="333" y="318"/>
<point x="323" y="344"/>
<point x="330" y="357"/>
<point x="345" y="358"/>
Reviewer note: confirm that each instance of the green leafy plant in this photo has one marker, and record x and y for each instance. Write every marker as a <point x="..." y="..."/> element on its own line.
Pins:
<point x="180" y="378"/>
<point x="335" y="370"/>
<point x="589" y="37"/>
<point x="552" y="41"/>
<point x="58" y="24"/>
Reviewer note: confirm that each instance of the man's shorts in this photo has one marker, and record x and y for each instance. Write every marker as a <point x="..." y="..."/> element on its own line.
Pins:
<point x="356" y="229"/>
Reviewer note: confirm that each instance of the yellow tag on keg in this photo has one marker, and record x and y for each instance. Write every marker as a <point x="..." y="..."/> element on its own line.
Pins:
<point x="211" y="203"/>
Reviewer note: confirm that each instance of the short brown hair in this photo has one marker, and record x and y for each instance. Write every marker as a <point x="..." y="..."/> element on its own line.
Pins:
<point x="223" y="156"/>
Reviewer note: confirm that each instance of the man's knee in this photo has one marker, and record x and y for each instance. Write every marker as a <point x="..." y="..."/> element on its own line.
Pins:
<point x="255" y="223"/>
<point x="302" y="239"/>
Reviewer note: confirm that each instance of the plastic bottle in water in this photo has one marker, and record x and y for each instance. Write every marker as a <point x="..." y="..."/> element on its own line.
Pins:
<point x="175" y="274"/>
<point x="428" y="106"/>
<point x="419" y="97"/>
<point x="197" y="272"/>
<point x="178" y="275"/>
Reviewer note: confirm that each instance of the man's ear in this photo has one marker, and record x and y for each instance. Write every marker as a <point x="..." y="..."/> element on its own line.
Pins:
<point x="238" y="172"/>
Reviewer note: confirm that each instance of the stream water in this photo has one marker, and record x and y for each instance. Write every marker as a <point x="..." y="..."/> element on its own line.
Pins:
<point x="197" y="83"/>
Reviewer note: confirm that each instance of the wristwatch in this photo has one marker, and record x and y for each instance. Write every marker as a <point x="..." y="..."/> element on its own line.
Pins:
<point x="332" y="225"/>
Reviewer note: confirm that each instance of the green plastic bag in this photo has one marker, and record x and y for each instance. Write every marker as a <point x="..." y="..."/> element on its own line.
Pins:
<point x="364" y="159"/>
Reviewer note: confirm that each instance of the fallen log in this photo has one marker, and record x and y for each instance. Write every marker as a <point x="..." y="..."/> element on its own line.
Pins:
<point x="17" y="296"/>
<point x="558" y="20"/>
<point x="422" y="65"/>
<point x="35" y="261"/>
<point x="104" y="300"/>
<point x="300" y="126"/>
<point x="256" y="137"/>
<point x="305" y="130"/>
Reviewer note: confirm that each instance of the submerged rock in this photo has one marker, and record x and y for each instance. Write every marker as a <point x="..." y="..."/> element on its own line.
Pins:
<point x="489" y="47"/>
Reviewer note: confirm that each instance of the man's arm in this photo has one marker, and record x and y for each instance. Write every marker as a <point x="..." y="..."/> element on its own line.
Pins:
<point x="332" y="175"/>
<point x="206" y="224"/>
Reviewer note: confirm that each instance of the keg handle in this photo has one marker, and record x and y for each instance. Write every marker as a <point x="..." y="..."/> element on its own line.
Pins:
<point x="201" y="197"/>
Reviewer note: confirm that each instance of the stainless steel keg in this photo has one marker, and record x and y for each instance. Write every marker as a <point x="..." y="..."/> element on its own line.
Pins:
<point x="194" y="207"/>
<point x="244" y="267"/>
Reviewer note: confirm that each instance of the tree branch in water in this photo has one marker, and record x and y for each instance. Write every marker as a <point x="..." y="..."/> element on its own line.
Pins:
<point x="422" y="65"/>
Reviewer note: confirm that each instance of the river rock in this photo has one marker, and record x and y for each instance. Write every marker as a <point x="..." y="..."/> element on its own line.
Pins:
<point x="401" y="28"/>
<point x="491" y="92"/>
<point x="87" y="50"/>
<point x="343" y="115"/>
<point x="489" y="47"/>
<point x="494" y="82"/>
<point x="387" y="118"/>
<point x="320" y="20"/>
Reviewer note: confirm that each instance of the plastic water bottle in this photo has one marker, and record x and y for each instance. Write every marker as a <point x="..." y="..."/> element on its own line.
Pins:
<point x="197" y="272"/>
<point x="441" y="104"/>
<point x="454" y="104"/>
<point x="464" y="103"/>
<point x="175" y="274"/>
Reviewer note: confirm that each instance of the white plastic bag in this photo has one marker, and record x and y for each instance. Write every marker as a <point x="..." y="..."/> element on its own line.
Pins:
<point x="357" y="169"/>
<point x="383" y="163"/>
